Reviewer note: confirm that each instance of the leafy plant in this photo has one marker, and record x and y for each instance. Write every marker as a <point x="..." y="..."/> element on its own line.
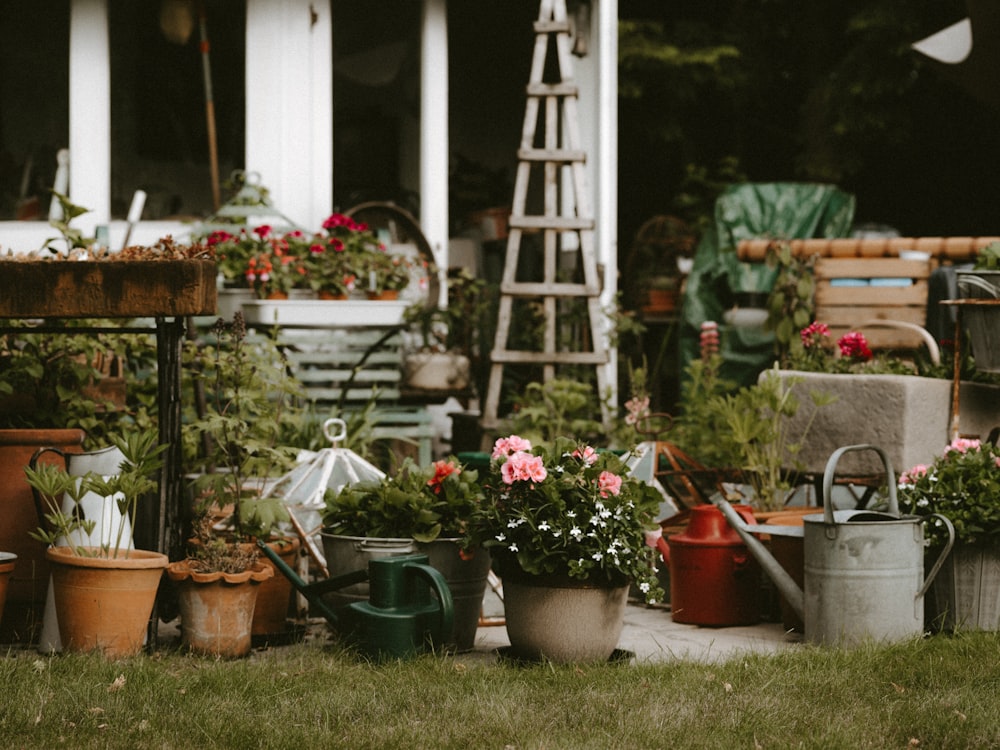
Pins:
<point x="758" y="417"/>
<point x="422" y="503"/>
<point x="791" y="302"/>
<point x="962" y="484"/>
<point x="141" y="453"/>
<point x="72" y="236"/>
<point x="250" y="398"/>
<point x="557" y="408"/>
<point x="563" y="508"/>
<point x="988" y="258"/>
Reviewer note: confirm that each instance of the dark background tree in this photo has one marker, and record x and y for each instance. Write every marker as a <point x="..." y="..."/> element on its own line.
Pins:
<point x="823" y="91"/>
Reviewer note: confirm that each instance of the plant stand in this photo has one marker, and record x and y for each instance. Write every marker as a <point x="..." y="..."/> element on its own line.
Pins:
<point x="168" y="291"/>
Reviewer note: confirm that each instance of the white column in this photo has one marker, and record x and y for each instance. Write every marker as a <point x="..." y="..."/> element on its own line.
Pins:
<point x="90" y="112"/>
<point x="606" y="161"/>
<point x="289" y="111"/>
<point x="434" y="130"/>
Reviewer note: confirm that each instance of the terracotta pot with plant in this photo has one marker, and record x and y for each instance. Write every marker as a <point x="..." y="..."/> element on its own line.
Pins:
<point x="421" y="509"/>
<point x="248" y="393"/>
<point x="104" y="595"/>
<point x="567" y="526"/>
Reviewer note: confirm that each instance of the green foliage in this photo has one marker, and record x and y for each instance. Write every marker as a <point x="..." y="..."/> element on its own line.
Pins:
<point x="988" y="258"/>
<point x="250" y="400"/>
<point x="962" y="484"/>
<point x="758" y="419"/>
<point x="701" y="430"/>
<point x="422" y="503"/>
<point x="791" y="304"/>
<point x="52" y="381"/>
<point x="563" y="508"/>
<point x="73" y="237"/>
<point x="141" y="453"/>
<point x="557" y="408"/>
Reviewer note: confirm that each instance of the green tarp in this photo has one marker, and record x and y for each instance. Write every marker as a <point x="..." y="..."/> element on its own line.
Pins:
<point x="749" y="211"/>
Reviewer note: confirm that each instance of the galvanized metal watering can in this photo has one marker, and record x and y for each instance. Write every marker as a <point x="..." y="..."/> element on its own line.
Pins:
<point x="400" y="618"/>
<point x="864" y="570"/>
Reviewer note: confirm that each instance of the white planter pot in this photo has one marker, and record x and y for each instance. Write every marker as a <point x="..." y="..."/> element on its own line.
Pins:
<point x="436" y="371"/>
<point x="563" y="624"/>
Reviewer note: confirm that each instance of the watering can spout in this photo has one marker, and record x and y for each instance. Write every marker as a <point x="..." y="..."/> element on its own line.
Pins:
<point x="785" y="583"/>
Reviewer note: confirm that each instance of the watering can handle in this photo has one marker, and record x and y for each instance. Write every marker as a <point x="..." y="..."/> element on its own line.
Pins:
<point x="340" y="434"/>
<point x="447" y="619"/>
<point x="944" y="553"/>
<point x="831" y="470"/>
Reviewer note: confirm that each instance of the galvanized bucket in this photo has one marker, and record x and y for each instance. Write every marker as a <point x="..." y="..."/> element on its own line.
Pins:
<point x="864" y="570"/>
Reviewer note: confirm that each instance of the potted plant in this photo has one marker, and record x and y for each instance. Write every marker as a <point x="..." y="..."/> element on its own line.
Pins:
<point x="104" y="594"/>
<point x="248" y="393"/>
<point x="962" y="484"/>
<point x="447" y="338"/>
<point x="384" y="274"/>
<point x="566" y="526"/>
<point x="983" y="320"/>
<point x="419" y="509"/>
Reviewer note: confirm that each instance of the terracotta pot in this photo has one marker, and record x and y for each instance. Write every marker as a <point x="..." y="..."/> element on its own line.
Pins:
<point x="104" y="604"/>
<point x="277" y="295"/>
<point x="7" y="561"/>
<point x="385" y="295"/>
<point x="328" y="295"/>
<point x="217" y="608"/>
<point x="29" y="583"/>
<point x="564" y="620"/>
<point x="274" y="596"/>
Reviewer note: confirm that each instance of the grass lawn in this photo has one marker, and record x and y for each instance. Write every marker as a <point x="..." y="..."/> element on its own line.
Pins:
<point x="939" y="692"/>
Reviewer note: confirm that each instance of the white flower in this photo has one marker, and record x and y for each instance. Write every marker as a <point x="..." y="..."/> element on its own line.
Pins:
<point x="644" y="587"/>
<point x="513" y="548"/>
<point x="575" y="532"/>
<point x="544" y="526"/>
<point x="501" y="537"/>
<point x="571" y="514"/>
<point x="597" y="556"/>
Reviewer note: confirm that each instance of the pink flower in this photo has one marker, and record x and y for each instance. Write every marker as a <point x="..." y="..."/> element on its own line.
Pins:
<point x="911" y="476"/>
<point x="219" y="236"/>
<point x="263" y="230"/>
<point x="522" y="466"/>
<point x="709" y="339"/>
<point x="962" y="445"/>
<point x="609" y="483"/>
<point x="588" y="455"/>
<point x="853" y="345"/>
<point x="505" y="446"/>
<point x="636" y="409"/>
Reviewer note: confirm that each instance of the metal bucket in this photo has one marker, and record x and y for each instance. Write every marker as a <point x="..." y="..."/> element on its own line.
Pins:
<point x="864" y="571"/>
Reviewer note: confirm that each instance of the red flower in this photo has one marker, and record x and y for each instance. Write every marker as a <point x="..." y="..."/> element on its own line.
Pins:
<point x="263" y="230"/>
<point x="442" y="470"/>
<point x="854" y="346"/>
<point x="814" y="334"/>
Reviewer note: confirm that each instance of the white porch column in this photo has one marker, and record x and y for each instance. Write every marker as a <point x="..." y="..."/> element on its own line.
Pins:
<point x="90" y="112"/>
<point x="434" y="130"/>
<point x="606" y="161"/>
<point x="289" y="110"/>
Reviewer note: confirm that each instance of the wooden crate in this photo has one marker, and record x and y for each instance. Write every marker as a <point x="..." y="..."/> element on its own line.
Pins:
<point x="893" y="289"/>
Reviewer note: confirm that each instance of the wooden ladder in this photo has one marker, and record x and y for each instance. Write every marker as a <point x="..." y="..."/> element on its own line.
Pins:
<point x="556" y="148"/>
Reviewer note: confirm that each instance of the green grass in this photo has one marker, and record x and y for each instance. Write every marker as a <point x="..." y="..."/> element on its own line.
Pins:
<point x="942" y="692"/>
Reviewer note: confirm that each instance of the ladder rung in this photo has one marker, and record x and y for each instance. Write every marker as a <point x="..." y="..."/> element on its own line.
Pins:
<point x="556" y="358"/>
<point x="541" y="289"/>
<point x="551" y="27"/>
<point x="553" y="89"/>
<point x="563" y="223"/>
<point x="552" y="154"/>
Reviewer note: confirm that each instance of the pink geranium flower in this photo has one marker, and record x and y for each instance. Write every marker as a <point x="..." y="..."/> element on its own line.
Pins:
<point x="508" y="445"/>
<point x="523" y="467"/>
<point x="853" y="345"/>
<point x="609" y="484"/>
<point x="588" y="455"/>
